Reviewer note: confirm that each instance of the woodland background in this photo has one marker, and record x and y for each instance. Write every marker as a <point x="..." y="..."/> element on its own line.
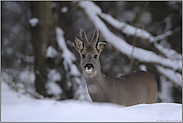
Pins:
<point x="38" y="57"/>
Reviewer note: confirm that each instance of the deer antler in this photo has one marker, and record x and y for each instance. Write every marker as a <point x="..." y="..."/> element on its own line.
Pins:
<point x="95" y="37"/>
<point x="83" y="36"/>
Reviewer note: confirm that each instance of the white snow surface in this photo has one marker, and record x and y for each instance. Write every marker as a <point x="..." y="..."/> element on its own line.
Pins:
<point x="22" y="108"/>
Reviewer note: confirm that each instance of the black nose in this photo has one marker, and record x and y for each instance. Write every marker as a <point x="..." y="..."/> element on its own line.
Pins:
<point x="89" y="66"/>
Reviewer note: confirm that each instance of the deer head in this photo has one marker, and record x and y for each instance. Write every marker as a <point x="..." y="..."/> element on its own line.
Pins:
<point x="89" y="52"/>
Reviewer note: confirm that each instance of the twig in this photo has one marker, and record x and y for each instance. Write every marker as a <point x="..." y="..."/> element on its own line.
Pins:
<point x="134" y="38"/>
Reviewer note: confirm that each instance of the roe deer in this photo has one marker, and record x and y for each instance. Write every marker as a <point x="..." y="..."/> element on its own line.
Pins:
<point x="130" y="89"/>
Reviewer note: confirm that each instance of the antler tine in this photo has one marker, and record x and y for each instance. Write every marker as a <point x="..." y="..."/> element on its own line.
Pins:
<point x="95" y="37"/>
<point x="83" y="36"/>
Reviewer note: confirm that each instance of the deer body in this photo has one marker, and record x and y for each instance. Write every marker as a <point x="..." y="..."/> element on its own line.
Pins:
<point x="130" y="89"/>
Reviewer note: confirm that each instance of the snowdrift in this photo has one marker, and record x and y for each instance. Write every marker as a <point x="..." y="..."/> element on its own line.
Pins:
<point x="20" y="108"/>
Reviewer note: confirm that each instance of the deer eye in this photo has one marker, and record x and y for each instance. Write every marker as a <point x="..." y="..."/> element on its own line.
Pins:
<point x="83" y="55"/>
<point x="95" y="56"/>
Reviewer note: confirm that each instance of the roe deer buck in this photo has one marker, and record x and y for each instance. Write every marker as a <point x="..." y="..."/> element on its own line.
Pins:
<point x="130" y="89"/>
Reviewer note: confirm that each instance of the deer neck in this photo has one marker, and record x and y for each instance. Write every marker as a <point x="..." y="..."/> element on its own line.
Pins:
<point x="97" y="87"/>
<point x="97" y="79"/>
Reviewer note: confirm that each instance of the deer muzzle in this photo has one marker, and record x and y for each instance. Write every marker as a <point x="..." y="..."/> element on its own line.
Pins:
<point x="89" y="68"/>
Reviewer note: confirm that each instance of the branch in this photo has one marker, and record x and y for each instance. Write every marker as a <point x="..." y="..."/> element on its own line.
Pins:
<point x="134" y="38"/>
<point x="67" y="54"/>
<point x="169" y="53"/>
<point x="137" y="32"/>
<point x="92" y="11"/>
<point x="130" y="30"/>
<point x="175" y="77"/>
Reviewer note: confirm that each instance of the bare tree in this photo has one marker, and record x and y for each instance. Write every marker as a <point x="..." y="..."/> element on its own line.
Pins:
<point x="31" y="29"/>
<point x="42" y="34"/>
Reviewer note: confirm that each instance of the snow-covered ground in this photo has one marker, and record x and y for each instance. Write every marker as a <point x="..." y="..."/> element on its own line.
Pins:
<point x="20" y="108"/>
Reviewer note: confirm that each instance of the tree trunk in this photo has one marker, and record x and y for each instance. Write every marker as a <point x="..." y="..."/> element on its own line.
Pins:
<point x="42" y="34"/>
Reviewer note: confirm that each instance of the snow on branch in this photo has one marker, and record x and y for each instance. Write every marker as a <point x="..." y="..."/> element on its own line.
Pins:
<point x="130" y="30"/>
<point x="169" y="53"/>
<point x="175" y="76"/>
<point x="67" y="55"/>
<point x="92" y="11"/>
<point x="33" y="21"/>
<point x="164" y="64"/>
<point x="51" y="52"/>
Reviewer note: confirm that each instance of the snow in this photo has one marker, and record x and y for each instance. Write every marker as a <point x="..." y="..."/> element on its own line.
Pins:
<point x="166" y="91"/>
<point x="53" y="88"/>
<point x="130" y="30"/>
<point x="33" y="21"/>
<point x="54" y="75"/>
<point x="51" y="52"/>
<point x="143" y="67"/>
<point x="175" y="63"/>
<point x="51" y="85"/>
<point x="23" y="108"/>
<point x="27" y="76"/>
<point x="20" y="55"/>
<point x="64" y="9"/>
<point x="172" y="54"/>
<point x="92" y="11"/>
<point x="171" y="75"/>
<point x="68" y="56"/>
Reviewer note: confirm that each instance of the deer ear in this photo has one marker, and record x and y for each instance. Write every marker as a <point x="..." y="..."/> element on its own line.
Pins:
<point x="78" y="44"/>
<point x="101" y="45"/>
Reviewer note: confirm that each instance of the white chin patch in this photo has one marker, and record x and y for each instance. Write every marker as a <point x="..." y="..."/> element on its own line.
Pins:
<point x="88" y="70"/>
